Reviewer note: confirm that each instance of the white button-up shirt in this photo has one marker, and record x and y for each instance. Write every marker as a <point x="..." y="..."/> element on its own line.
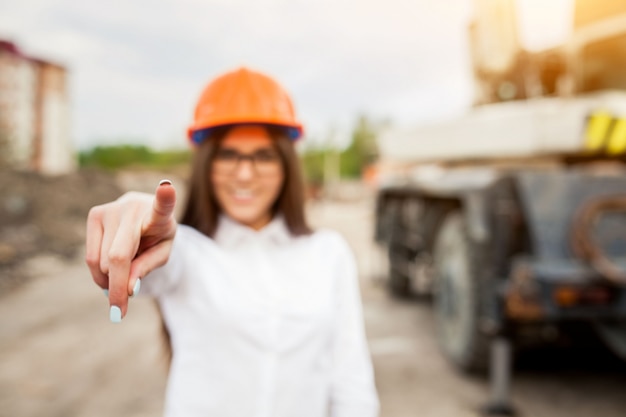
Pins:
<point x="264" y="324"/>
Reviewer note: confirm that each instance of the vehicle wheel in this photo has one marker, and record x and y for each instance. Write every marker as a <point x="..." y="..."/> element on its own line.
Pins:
<point x="398" y="283"/>
<point x="458" y="285"/>
<point x="397" y="254"/>
<point x="614" y="337"/>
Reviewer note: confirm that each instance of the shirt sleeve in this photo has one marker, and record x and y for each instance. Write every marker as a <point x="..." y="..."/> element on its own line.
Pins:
<point x="165" y="278"/>
<point x="353" y="391"/>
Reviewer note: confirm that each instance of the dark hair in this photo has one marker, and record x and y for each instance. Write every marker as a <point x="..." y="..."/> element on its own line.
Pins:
<point x="202" y="210"/>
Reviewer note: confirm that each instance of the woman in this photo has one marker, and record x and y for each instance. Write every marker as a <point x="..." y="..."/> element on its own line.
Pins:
<point x="264" y="315"/>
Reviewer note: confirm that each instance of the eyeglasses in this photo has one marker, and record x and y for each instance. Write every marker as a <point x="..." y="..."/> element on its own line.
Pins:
<point x="264" y="161"/>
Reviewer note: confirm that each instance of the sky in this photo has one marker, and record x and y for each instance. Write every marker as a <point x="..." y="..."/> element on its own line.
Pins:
<point x="136" y="68"/>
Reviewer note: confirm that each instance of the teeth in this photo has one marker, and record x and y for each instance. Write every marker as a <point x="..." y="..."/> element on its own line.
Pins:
<point x="243" y="193"/>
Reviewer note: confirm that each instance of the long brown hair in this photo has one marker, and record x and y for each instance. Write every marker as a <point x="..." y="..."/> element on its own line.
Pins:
<point x="202" y="211"/>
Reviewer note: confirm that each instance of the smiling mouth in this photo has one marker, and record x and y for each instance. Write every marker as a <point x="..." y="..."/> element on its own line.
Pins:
<point x="243" y="195"/>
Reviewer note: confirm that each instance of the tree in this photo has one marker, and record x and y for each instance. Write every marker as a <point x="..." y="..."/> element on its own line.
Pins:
<point x="363" y="148"/>
<point x="353" y="160"/>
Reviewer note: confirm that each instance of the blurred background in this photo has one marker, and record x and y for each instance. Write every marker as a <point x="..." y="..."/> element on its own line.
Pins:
<point x="470" y="151"/>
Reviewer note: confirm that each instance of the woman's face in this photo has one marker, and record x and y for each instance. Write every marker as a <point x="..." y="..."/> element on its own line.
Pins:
<point x="247" y="175"/>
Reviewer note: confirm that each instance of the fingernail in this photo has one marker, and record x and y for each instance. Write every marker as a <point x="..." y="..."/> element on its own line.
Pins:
<point x="115" y="314"/>
<point x="136" y="288"/>
<point x="106" y="293"/>
<point x="163" y="182"/>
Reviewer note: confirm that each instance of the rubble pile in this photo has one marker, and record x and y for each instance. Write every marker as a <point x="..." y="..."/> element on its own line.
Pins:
<point x="46" y="215"/>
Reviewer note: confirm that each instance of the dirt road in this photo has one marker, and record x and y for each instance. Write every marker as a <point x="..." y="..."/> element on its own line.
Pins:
<point x="60" y="356"/>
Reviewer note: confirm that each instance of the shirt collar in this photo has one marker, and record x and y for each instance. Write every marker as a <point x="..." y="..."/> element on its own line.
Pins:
<point x="231" y="234"/>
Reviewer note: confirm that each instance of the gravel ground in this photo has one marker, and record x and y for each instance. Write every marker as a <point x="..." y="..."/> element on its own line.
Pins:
<point x="61" y="357"/>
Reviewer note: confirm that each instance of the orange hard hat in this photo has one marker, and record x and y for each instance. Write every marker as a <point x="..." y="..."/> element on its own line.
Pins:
<point x="243" y="96"/>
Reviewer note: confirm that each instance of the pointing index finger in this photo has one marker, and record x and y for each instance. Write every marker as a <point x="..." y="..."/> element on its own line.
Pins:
<point x="164" y="202"/>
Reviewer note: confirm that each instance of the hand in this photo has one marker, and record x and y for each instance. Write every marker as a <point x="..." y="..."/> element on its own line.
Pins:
<point x="128" y="238"/>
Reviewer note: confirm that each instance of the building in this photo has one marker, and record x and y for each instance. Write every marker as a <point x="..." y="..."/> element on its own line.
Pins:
<point x="34" y="113"/>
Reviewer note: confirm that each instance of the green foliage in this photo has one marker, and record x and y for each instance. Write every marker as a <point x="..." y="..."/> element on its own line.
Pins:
<point x="122" y="156"/>
<point x="313" y="165"/>
<point x="362" y="151"/>
<point x="317" y="162"/>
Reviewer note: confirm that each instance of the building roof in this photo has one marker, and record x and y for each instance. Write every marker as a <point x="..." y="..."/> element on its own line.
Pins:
<point x="11" y="48"/>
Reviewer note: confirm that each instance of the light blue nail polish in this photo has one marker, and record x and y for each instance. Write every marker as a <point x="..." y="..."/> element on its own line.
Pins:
<point x="106" y="293"/>
<point x="115" y="314"/>
<point x="136" y="288"/>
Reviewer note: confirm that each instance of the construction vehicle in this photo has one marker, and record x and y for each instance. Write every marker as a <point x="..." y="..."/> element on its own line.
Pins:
<point x="514" y="216"/>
